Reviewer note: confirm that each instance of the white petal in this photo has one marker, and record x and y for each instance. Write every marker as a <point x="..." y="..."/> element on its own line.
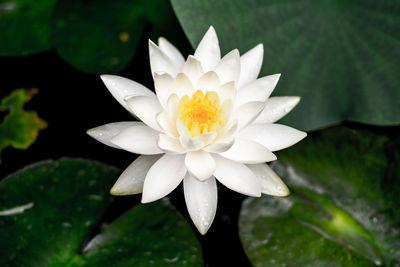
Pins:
<point x="120" y="88"/>
<point x="163" y="177"/>
<point x="271" y="184"/>
<point x="170" y="144"/>
<point x="272" y="136"/>
<point x="146" y="108"/>
<point x="172" y="106"/>
<point x="172" y="52"/>
<point x="246" y="151"/>
<point x="197" y="142"/>
<point x="193" y="69"/>
<point x="250" y="65"/>
<point x="200" y="164"/>
<point x="164" y="85"/>
<point x="139" y="139"/>
<point x="105" y="132"/>
<point x="277" y="107"/>
<point x="227" y="91"/>
<point x="159" y="61"/>
<point x="247" y="113"/>
<point x="201" y="201"/>
<point x="237" y="177"/>
<point x="208" y="82"/>
<point x="181" y="128"/>
<point x="183" y="85"/>
<point x="165" y="123"/>
<point x="220" y="146"/>
<point x="258" y="90"/>
<point x="207" y="51"/>
<point x="228" y="69"/>
<point x="132" y="179"/>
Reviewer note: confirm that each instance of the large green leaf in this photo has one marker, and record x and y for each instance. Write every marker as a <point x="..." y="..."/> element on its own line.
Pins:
<point x="19" y="128"/>
<point x="341" y="57"/>
<point x="344" y="209"/>
<point x="102" y="36"/>
<point x="25" y="26"/>
<point x="49" y="211"/>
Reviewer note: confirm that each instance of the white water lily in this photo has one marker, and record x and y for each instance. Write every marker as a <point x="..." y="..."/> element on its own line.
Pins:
<point x="210" y="119"/>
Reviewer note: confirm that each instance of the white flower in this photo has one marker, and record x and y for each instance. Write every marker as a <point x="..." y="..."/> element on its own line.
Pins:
<point x="210" y="119"/>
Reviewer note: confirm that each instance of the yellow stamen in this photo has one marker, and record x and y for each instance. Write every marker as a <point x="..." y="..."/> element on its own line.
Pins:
<point x="201" y="113"/>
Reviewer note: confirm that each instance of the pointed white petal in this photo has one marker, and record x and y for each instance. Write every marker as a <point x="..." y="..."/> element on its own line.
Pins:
<point x="220" y="146"/>
<point x="170" y="144"/>
<point x="120" y="88"/>
<point x="197" y="142"/>
<point x="247" y="113"/>
<point x="277" y="107"/>
<point x="227" y="91"/>
<point x="228" y="69"/>
<point x="272" y="136"/>
<point x="183" y="85"/>
<point x="172" y="52"/>
<point x="163" y="177"/>
<point x="208" y="52"/>
<point x="159" y="61"/>
<point x="139" y="139"/>
<point x="164" y="85"/>
<point x="208" y="82"/>
<point x="146" y="108"/>
<point x="193" y="69"/>
<point x="250" y="65"/>
<point x="131" y="180"/>
<point x="258" y="90"/>
<point x="200" y="164"/>
<point x="166" y="125"/>
<point x="271" y="184"/>
<point x="237" y="177"/>
<point x="105" y="132"/>
<point x="201" y="201"/>
<point x="172" y="106"/>
<point x="246" y="151"/>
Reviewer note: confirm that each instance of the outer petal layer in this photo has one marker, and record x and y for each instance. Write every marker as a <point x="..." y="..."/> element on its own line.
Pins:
<point x="146" y="109"/>
<point x="250" y="64"/>
<point x="163" y="177"/>
<point x="172" y="52"/>
<point x="121" y="87"/>
<point x="277" y="107"/>
<point x="105" y="132"/>
<point x="272" y="136"/>
<point x="271" y="184"/>
<point x="207" y="52"/>
<point x="139" y="139"/>
<point x="245" y="151"/>
<point x="200" y="164"/>
<point x="237" y="177"/>
<point x="132" y="179"/>
<point x="201" y="201"/>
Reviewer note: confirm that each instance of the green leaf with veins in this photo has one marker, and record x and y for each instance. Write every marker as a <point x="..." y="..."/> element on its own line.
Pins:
<point x="344" y="209"/>
<point x="341" y="57"/>
<point x="49" y="213"/>
<point x="19" y="128"/>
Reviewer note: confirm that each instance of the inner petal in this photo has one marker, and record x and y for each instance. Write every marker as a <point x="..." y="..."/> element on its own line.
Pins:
<point x="201" y="113"/>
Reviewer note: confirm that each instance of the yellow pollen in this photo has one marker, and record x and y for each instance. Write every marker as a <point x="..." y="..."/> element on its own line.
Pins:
<point x="201" y="113"/>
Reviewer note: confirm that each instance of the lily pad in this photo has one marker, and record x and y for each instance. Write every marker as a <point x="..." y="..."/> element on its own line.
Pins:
<point x="102" y="36"/>
<point x="344" y="209"/>
<point x="25" y="26"/>
<point x="19" y="128"/>
<point x="49" y="213"/>
<point x="341" y="57"/>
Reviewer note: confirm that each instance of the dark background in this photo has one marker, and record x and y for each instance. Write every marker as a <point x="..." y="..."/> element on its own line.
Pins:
<point x="71" y="102"/>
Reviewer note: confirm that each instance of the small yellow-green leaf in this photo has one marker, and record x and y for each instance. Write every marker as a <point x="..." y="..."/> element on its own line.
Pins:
<point x="19" y="128"/>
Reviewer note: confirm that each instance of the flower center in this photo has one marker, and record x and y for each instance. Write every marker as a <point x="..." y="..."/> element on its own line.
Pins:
<point x="201" y="113"/>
